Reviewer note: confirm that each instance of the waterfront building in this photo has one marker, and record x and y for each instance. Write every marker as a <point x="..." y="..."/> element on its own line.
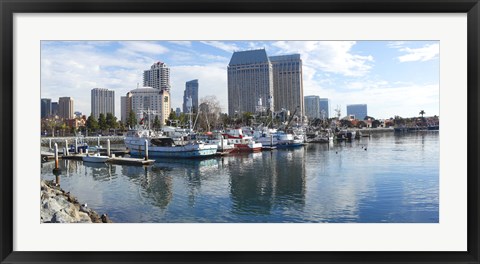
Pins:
<point x="46" y="107"/>
<point x="150" y="100"/>
<point x="358" y="111"/>
<point x="191" y="91"/>
<point x="250" y="78"/>
<point x="324" y="108"/>
<point x="312" y="106"/>
<point x="288" y="83"/>
<point x="158" y="77"/>
<point x="125" y="107"/>
<point x="54" y="108"/>
<point x="102" y="102"/>
<point x="65" y="107"/>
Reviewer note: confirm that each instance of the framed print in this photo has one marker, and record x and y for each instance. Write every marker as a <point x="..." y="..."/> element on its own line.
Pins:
<point x="264" y="132"/>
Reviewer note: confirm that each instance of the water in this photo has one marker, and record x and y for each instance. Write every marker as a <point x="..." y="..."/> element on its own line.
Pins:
<point x="395" y="180"/>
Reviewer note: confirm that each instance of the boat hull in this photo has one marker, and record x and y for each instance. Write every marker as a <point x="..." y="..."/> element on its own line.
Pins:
<point x="185" y="151"/>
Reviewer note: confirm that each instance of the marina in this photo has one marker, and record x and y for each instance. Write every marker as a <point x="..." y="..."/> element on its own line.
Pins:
<point x="387" y="177"/>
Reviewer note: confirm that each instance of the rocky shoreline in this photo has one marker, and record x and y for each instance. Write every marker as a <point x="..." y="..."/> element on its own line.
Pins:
<point x="58" y="206"/>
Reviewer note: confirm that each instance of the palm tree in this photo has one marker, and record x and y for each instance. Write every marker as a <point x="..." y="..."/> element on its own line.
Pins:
<point x="421" y="113"/>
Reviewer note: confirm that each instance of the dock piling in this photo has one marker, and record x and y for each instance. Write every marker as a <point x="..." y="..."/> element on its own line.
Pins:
<point x="49" y="143"/>
<point x="66" y="148"/>
<point x="108" y="147"/>
<point x="98" y="142"/>
<point x="76" y="146"/>
<point x="146" y="149"/>
<point x="55" y="153"/>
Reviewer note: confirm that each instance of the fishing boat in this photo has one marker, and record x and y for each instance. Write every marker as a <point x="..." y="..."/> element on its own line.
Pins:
<point x="165" y="147"/>
<point x="95" y="158"/>
<point x="242" y="142"/>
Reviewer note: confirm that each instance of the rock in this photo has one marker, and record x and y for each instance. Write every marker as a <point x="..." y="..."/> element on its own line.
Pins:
<point x="106" y="219"/>
<point x="58" y="206"/>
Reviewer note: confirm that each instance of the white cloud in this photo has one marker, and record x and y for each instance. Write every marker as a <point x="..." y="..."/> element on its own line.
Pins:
<point x="328" y="56"/>
<point x="226" y="46"/>
<point x="428" y="52"/>
<point x="182" y="43"/>
<point x="146" y="47"/>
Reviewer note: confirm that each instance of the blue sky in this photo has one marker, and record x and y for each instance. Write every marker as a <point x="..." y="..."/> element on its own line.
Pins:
<point x="391" y="77"/>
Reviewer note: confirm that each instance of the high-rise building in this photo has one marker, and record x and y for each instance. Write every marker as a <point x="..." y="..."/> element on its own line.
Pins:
<point x="65" y="107"/>
<point x="178" y="111"/>
<point x="250" y="79"/>
<point x="359" y="111"/>
<point x="125" y="106"/>
<point x="54" y="108"/>
<point x="157" y="77"/>
<point x="148" y="101"/>
<point x="324" y="108"/>
<point x="312" y="106"/>
<point x="102" y="102"/>
<point x="191" y="91"/>
<point x="288" y="83"/>
<point x="46" y="107"/>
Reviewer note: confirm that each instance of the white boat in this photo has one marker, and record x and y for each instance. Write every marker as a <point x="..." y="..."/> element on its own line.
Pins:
<point x="242" y="142"/>
<point x="165" y="147"/>
<point x="96" y="158"/>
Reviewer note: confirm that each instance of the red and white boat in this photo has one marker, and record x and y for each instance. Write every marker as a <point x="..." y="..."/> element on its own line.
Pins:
<point x="240" y="141"/>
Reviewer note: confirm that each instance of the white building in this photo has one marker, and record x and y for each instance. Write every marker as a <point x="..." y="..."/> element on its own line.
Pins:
<point x="157" y="77"/>
<point x="102" y="102"/>
<point x="148" y="99"/>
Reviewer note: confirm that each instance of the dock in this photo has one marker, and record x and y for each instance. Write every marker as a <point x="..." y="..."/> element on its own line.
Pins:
<point x="130" y="161"/>
<point x="46" y="156"/>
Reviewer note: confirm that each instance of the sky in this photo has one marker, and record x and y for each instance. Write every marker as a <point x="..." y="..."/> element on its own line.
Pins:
<point x="391" y="77"/>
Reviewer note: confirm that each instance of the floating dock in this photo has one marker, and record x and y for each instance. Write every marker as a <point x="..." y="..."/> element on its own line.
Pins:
<point x="130" y="161"/>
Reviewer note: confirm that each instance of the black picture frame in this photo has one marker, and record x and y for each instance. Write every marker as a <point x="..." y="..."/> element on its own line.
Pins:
<point x="10" y="7"/>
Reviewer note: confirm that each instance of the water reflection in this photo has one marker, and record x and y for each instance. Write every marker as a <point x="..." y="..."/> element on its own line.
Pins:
<point x="267" y="181"/>
<point x="385" y="178"/>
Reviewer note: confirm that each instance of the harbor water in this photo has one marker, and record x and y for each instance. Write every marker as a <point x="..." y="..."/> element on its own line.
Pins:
<point x="391" y="178"/>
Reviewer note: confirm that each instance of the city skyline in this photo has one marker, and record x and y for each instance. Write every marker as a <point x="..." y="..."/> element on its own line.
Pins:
<point x="391" y="77"/>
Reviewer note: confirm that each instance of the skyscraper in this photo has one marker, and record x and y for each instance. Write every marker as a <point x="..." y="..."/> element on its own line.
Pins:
<point x="312" y="106"/>
<point x="191" y="91"/>
<point x="65" y="107"/>
<point x="250" y="78"/>
<point x="359" y="111"/>
<point x="288" y="83"/>
<point x="158" y="77"/>
<point x="148" y="99"/>
<point x="125" y="106"/>
<point x="54" y="108"/>
<point x="102" y="102"/>
<point x="46" y="107"/>
<point x="324" y="108"/>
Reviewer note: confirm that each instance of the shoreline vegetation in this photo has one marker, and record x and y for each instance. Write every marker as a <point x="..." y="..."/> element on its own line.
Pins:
<point x="58" y="206"/>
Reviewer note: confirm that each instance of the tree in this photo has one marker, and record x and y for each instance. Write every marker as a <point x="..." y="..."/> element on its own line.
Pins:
<point x="111" y="121"/>
<point x="92" y="124"/>
<point x="121" y="125"/>
<point x="209" y="113"/>
<point x="156" y="123"/>
<point x="132" y="119"/>
<point x="247" y="117"/>
<point x="102" y="122"/>
<point x="421" y="113"/>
